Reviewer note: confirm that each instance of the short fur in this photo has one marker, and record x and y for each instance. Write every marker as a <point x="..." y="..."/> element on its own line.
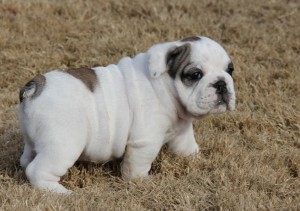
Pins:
<point x="36" y="85"/>
<point x="86" y="75"/>
<point x="178" y="59"/>
<point x="141" y="104"/>
<point x="190" y="39"/>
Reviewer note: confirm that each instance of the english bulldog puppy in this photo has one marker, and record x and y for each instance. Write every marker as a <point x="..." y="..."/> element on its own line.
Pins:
<point x="129" y="109"/>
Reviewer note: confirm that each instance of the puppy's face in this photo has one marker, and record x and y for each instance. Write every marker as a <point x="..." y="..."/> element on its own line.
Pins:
<point x="202" y="73"/>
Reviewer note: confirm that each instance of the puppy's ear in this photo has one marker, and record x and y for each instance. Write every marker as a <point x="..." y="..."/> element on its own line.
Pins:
<point x="171" y="57"/>
<point x="157" y="57"/>
<point x="178" y="58"/>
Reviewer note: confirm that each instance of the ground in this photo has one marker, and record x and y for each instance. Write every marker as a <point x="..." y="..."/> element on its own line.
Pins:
<point x="250" y="158"/>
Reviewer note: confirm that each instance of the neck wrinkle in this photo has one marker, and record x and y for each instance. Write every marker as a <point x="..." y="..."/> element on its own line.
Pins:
<point x="170" y="97"/>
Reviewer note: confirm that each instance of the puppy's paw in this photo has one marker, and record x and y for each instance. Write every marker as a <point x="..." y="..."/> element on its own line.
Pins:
<point x="190" y="149"/>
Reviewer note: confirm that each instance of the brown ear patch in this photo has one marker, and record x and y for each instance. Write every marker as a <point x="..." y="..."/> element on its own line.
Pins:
<point x="37" y="83"/>
<point x="178" y="59"/>
<point x="86" y="75"/>
<point x="190" y="39"/>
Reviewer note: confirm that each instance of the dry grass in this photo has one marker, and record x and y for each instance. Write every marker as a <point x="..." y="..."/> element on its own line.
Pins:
<point x="250" y="158"/>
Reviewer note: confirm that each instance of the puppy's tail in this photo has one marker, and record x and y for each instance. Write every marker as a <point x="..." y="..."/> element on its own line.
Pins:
<point x="33" y="88"/>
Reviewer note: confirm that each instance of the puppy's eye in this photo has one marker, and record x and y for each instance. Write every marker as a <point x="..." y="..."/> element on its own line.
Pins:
<point x="230" y="69"/>
<point x="191" y="76"/>
<point x="194" y="75"/>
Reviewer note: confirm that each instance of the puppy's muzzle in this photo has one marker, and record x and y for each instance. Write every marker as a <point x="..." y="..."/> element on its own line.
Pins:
<point x="222" y="92"/>
<point x="221" y="88"/>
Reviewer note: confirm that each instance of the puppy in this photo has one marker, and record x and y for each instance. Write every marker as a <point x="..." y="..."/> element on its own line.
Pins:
<point x="129" y="109"/>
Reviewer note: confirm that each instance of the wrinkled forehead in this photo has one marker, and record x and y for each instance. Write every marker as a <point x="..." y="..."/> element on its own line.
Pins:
<point x="209" y="54"/>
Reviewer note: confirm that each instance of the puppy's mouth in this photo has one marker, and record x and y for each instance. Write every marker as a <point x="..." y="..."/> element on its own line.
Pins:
<point x="222" y="100"/>
<point x="221" y="103"/>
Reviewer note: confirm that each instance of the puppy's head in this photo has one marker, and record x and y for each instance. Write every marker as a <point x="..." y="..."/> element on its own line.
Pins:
<point x="201" y="72"/>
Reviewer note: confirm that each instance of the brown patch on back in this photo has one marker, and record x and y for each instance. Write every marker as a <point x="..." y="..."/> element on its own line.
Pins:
<point x="86" y="75"/>
<point x="190" y="39"/>
<point x="178" y="59"/>
<point x="37" y="83"/>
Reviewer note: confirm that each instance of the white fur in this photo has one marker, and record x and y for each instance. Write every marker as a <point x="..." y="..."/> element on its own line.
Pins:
<point x="134" y="110"/>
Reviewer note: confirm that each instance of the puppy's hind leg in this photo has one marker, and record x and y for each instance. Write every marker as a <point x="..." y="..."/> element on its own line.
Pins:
<point x="52" y="162"/>
<point x="27" y="156"/>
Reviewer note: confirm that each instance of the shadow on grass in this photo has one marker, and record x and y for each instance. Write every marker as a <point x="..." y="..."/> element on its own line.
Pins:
<point x="11" y="148"/>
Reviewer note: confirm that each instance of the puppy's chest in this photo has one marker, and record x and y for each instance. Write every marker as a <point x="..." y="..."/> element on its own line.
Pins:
<point x="175" y="130"/>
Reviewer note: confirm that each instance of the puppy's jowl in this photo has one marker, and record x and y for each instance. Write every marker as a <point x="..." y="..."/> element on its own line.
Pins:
<point x="128" y="109"/>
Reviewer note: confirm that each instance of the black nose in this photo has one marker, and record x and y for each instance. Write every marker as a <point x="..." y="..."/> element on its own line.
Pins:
<point x="221" y="87"/>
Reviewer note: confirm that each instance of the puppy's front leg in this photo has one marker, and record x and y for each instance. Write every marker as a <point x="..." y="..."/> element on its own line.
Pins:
<point x="185" y="143"/>
<point x="138" y="159"/>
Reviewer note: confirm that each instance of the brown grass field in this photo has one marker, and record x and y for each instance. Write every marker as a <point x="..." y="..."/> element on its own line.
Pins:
<point x="250" y="158"/>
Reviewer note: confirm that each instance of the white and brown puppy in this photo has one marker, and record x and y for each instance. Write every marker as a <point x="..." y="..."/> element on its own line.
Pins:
<point x="130" y="109"/>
